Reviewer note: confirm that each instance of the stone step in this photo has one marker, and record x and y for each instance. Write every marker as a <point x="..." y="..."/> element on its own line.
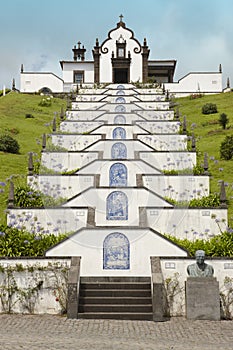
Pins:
<point x="115" y="285"/>
<point x="115" y="293"/>
<point x="118" y="308"/>
<point x="116" y="300"/>
<point x="114" y="279"/>
<point x="117" y="316"/>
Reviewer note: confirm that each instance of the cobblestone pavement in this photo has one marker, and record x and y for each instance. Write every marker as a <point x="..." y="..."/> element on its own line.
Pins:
<point x="45" y="332"/>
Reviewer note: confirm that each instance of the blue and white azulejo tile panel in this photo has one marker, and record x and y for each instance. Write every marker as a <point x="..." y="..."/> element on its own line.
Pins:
<point x="117" y="206"/>
<point x="116" y="252"/>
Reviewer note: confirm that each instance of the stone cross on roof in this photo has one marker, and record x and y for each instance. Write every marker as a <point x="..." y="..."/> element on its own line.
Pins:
<point x="121" y="17"/>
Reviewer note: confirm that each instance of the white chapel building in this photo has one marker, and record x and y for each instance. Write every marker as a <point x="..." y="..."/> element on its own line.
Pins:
<point x="120" y="58"/>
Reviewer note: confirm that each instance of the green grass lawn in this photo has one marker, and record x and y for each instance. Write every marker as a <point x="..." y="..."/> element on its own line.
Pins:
<point x="209" y="135"/>
<point x="27" y="131"/>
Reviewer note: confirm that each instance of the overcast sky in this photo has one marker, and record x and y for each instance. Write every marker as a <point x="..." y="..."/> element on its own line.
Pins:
<point x="196" y="33"/>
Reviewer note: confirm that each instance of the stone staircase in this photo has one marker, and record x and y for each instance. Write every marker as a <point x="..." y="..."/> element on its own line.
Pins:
<point x="127" y="298"/>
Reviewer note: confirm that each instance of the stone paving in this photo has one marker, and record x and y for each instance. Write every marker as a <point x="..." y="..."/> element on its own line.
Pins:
<point x="20" y="332"/>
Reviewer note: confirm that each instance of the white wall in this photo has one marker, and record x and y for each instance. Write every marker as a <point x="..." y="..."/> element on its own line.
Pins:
<point x="103" y="168"/>
<point x="70" y="126"/>
<point x="53" y="272"/>
<point x="137" y="197"/>
<point x="156" y="115"/>
<point x="49" y="220"/>
<point x="153" y="105"/>
<point x="39" y="286"/>
<point x="129" y="108"/>
<point x="83" y="115"/>
<point x="89" y="245"/>
<point x="183" y="187"/>
<point x="110" y="45"/>
<point x="151" y="97"/>
<point x="132" y="146"/>
<point x="196" y="83"/>
<point x="170" y="142"/>
<point x="88" y="105"/>
<point x="33" y="82"/>
<point x="188" y="223"/>
<point x="130" y="130"/>
<point x="130" y="118"/>
<point x="113" y="99"/>
<point x="158" y="127"/>
<point x="64" y="186"/>
<point x="170" y="160"/>
<point x="74" y="142"/>
<point x="69" y="67"/>
<point x="64" y="161"/>
<point x="89" y="97"/>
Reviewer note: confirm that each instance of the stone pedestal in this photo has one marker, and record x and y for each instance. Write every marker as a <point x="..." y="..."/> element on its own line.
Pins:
<point x="202" y="298"/>
<point x="73" y="287"/>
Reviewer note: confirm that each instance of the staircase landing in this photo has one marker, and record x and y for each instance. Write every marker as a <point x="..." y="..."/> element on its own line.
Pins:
<point x="125" y="298"/>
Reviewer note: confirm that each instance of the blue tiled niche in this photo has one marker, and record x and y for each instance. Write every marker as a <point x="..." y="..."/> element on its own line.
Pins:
<point x="117" y="206"/>
<point x="120" y="100"/>
<point x="119" y="119"/>
<point x="120" y="108"/>
<point x="120" y="93"/>
<point x="118" y="175"/>
<point x="119" y="151"/>
<point x="119" y="133"/>
<point x="116" y="252"/>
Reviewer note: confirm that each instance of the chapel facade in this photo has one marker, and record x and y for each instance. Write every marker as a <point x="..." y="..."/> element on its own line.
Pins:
<point x="120" y="58"/>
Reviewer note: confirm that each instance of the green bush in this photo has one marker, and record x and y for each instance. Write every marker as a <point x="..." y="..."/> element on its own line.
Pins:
<point x="25" y="197"/>
<point x="219" y="245"/>
<point x="15" y="243"/>
<point x="226" y="148"/>
<point x="211" y="201"/>
<point x="209" y="108"/>
<point x="8" y="144"/>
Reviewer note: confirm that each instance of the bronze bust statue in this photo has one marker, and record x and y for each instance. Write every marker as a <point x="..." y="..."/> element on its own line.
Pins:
<point x="200" y="268"/>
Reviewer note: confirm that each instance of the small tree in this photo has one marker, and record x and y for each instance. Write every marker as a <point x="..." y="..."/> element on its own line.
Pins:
<point x="223" y="120"/>
<point x="226" y="148"/>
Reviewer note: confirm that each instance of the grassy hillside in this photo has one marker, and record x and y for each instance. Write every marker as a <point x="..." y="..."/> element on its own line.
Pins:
<point x="209" y="136"/>
<point x="27" y="131"/>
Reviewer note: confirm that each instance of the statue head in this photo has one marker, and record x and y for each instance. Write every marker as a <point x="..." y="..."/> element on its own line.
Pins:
<point x="200" y="257"/>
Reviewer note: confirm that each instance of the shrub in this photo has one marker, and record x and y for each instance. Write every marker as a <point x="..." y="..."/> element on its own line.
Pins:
<point x="14" y="242"/>
<point x="209" y="108"/>
<point x="219" y="245"/>
<point x="45" y="102"/>
<point x="223" y="120"/>
<point x="28" y="115"/>
<point x="211" y="201"/>
<point x="226" y="148"/>
<point x="8" y="144"/>
<point x="26" y="197"/>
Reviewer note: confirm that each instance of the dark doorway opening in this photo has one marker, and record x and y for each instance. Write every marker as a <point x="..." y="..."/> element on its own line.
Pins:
<point x="121" y="75"/>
